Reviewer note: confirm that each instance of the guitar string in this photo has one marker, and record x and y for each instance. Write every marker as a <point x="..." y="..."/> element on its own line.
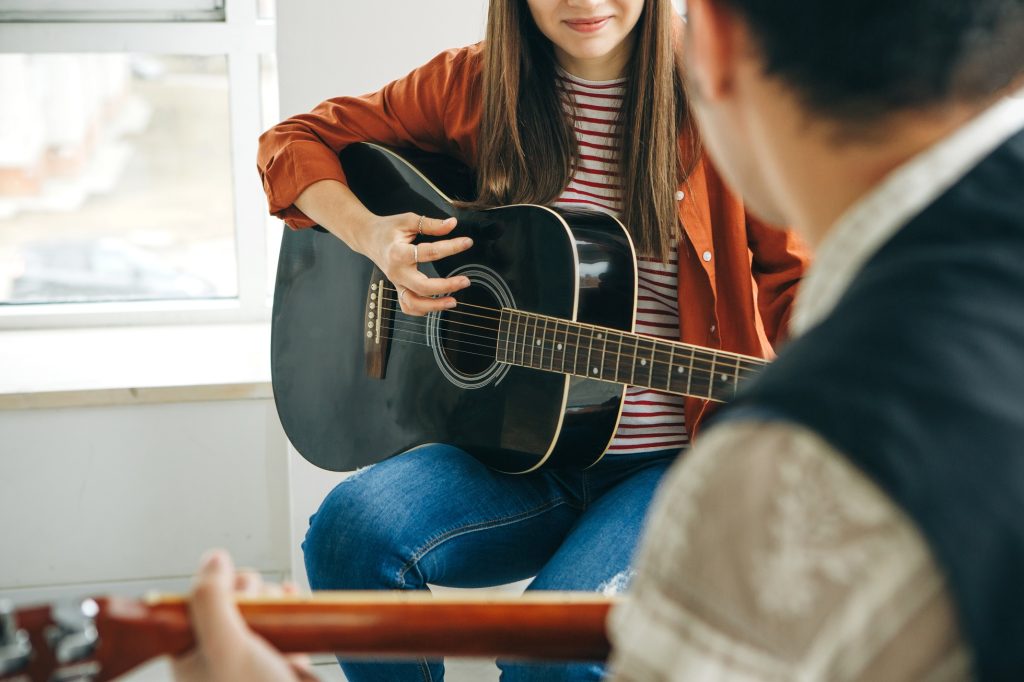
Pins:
<point x="722" y="362"/>
<point x="695" y="393"/>
<point x="719" y="367"/>
<point x="718" y="354"/>
<point x="411" y="325"/>
<point x="710" y="357"/>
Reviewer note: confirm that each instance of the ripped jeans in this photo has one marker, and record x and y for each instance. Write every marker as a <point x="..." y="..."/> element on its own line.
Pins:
<point x="436" y="515"/>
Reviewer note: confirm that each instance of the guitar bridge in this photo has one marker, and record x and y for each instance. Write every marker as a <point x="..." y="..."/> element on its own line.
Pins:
<point x="379" y="312"/>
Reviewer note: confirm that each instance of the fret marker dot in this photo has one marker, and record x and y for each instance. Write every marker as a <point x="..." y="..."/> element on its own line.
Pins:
<point x="600" y="336"/>
<point x="679" y="370"/>
<point x="643" y="362"/>
<point x="538" y="342"/>
<point x="725" y="377"/>
<point x="558" y="346"/>
<point x="595" y="370"/>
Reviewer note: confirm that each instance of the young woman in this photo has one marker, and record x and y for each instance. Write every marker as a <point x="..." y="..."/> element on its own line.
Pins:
<point x="571" y="103"/>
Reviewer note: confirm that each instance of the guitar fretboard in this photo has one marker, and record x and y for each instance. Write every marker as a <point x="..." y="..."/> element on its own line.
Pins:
<point x="555" y="345"/>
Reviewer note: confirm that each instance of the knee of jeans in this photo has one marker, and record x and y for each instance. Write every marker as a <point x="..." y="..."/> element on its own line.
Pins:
<point x="347" y="544"/>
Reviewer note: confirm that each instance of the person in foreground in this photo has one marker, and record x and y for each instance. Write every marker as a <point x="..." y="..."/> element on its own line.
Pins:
<point x="870" y="483"/>
<point x="858" y="512"/>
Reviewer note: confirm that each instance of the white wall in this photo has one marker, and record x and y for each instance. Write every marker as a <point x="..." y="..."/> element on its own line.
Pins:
<point x="127" y="497"/>
<point x="329" y="48"/>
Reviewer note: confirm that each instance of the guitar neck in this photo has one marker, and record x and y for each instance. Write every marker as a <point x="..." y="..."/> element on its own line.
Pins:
<point x="556" y="345"/>
<point x="564" y="626"/>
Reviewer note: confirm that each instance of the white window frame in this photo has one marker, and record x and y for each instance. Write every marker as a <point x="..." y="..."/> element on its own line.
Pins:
<point x="244" y="38"/>
<point x="111" y="10"/>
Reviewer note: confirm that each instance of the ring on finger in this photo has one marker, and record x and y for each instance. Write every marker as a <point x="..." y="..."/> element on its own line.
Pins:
<point x="419" y="225"/>
<point x="415" y="254"/>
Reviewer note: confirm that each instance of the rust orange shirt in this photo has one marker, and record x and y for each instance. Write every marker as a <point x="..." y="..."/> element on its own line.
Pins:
<point x="737" y="276"/>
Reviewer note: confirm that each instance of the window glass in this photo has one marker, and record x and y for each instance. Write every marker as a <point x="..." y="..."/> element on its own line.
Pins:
<point x="115" y="178"/>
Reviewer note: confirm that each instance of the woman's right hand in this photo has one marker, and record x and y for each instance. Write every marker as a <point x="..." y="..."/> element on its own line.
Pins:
<point x="389" y="241"/>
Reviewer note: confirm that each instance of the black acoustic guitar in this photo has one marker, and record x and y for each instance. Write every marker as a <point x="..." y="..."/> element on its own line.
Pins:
<point x="529" y="369"/>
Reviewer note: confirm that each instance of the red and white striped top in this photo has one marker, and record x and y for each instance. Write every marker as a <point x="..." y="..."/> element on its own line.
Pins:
<point x="651" y="420"/>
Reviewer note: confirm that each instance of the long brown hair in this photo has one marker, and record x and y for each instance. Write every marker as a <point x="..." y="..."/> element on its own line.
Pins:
<point x="527" y="145"/>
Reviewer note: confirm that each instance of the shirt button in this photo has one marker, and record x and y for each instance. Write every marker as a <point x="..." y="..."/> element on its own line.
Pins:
<point x="713" y="329"/>
<point x="706" y="256"/>
<point x="679" y="195"/>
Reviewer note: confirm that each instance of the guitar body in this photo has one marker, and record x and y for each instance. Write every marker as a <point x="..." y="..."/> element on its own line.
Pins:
<point x="441" y="388"/>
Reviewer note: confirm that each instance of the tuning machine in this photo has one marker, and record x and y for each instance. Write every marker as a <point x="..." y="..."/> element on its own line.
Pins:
<point x="15" y="647"/>
<point x="73" y="639"/>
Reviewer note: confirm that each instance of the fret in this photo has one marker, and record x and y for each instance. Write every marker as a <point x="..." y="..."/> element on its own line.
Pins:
<point x="514" y="315"/>
<point x="524" y="341"/>
<point x="576" y="348"/>
<point x="681" y="375"/>
<point x="590" y="351"/>
<point x="532" y="338"/>
<point x="724" y="378"/>
<point x="618" y="359"/>
<point x="551" y="342"/>
<point x="501" y="352"/>
<point x="671" y="362"/>
<point x="603" y="338"/>
<point x="562" y="345"/>
<point x="632" y="365"/>
<point x="660" y="369"/>
<point x="645" y="360"/>
<point x="543" y="345"/>
<point x="736" y="377"/>
<point x="698" y="377"/>
<point x="711" y="373"/>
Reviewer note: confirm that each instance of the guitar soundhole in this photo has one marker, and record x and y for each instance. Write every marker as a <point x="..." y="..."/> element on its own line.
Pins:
<point x="469" y="332"/>
<point x="465" y="339"/>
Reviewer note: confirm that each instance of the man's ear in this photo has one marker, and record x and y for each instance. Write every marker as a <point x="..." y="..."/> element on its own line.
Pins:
<point x="711" y="42"/>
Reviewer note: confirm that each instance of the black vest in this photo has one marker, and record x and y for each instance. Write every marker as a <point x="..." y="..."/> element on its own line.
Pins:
<point x="917" y="377"/>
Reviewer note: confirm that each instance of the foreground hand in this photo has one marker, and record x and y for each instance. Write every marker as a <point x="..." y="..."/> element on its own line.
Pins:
<point x="226" y="649"/>
<point x="389" y="244"/>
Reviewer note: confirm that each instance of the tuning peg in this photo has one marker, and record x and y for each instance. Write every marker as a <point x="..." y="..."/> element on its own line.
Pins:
<point x="73" y="636"/>
<point x="15" y="648"/>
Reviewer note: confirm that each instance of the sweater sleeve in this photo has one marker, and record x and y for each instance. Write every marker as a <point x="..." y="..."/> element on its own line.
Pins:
<point x="409" y="112"/>
<point x="779" y="261"/>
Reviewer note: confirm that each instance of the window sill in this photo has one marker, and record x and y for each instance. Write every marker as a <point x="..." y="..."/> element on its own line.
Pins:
<point x="134" y="365"/>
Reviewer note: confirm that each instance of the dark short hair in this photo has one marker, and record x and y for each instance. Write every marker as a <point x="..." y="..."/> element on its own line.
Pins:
<point x="859" y="60"/>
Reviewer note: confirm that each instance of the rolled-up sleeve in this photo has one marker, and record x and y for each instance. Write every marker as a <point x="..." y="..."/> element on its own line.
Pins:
<point x="408" y="112"/>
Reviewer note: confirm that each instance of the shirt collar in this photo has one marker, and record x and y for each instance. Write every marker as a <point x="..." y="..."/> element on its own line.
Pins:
<point x="875" y="218"/>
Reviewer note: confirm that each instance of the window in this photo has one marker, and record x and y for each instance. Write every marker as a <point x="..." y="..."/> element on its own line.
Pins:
<point x="128" y="190"/>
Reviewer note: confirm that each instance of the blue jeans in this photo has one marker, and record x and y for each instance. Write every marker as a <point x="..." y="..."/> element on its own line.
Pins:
<point x="436" y="515"/>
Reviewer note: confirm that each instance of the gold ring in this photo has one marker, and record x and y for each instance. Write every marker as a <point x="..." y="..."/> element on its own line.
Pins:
<point x="419" y="225"/>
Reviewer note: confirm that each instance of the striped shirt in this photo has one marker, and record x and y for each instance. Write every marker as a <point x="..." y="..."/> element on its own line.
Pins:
<point x="651" y="420"/>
